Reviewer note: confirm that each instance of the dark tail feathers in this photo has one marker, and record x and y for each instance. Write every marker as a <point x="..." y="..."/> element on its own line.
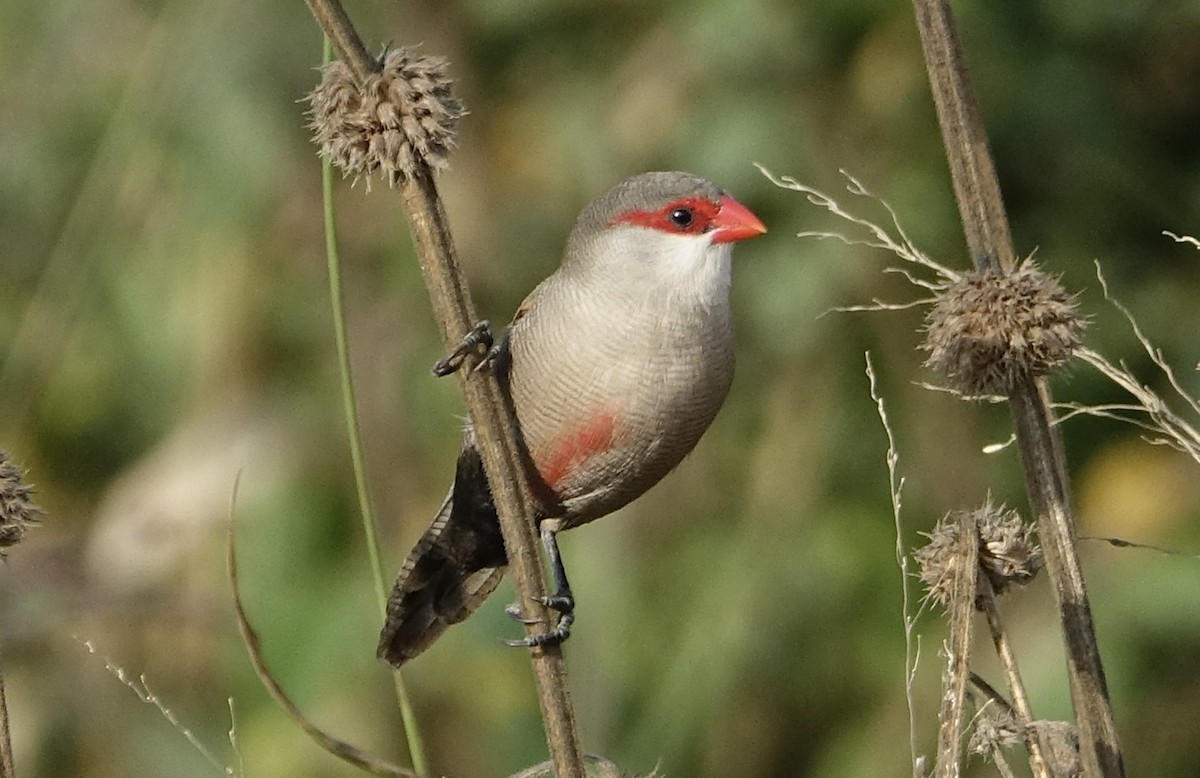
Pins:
<point x="453" y="568"/>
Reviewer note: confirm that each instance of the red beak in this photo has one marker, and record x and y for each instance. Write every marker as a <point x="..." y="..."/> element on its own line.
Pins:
<point x="735" y="222"/>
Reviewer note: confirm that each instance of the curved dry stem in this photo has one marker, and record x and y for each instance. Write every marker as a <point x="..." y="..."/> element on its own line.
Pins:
<point x="339" y="748"/>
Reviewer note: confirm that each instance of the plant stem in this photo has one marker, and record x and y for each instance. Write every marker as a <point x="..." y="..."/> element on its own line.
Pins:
<point x="896" y="486"/>
<point x="959" y="611"/>
<point x="503" y="459"/>
<point x="339" y="31"/>
<point x="1008" y="662"/>
<point x="494" y="423"/>
<point x="416" y="748"/>
<point x="990" y="242"/>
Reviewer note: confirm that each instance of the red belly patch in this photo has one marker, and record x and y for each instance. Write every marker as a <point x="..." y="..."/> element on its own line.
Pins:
<point x="571" y="451"/>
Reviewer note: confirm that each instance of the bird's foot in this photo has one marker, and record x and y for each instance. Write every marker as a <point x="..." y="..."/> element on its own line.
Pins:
<point x="479" y="337"/>
<point x="564" y="604"/>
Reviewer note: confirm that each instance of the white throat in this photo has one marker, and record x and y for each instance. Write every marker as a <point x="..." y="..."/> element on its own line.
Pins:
<point x="690" y="269"/>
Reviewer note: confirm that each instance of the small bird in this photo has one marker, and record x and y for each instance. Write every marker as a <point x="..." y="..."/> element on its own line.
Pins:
<point x="615" y="366"/>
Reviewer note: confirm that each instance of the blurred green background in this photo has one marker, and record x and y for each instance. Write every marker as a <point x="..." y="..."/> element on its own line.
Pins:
<point x="164" y="324"/>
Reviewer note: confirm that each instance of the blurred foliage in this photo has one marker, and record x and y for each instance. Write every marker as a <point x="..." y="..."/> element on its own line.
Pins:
<point x="164" y="324"/>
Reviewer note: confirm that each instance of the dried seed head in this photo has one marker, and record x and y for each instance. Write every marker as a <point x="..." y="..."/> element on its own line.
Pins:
<point x="1007" y="552"/>
<point x="994" y="730"/>
<point x="940" y="561"/>
<point x="400" y="116"/>
<point x="989" y="331"/>
<point x="17" y="510"/>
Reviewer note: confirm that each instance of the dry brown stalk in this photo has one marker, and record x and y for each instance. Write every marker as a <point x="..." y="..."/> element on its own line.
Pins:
<point x="1016" y="688"/>
<point x="496" y="430"/>
<point x="495" y="426"/>
<point x="960" y="609"/>
<point x="990" y="242"/>
<point x="345" y="39"/>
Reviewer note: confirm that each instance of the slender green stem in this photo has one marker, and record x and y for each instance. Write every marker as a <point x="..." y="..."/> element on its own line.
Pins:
<point x="349" y="401"/>
<point x="416" y="747"/>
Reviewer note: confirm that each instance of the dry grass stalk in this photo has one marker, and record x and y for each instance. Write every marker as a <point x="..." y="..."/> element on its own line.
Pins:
<point x="7" y="765"/>
<point x="1022" y="713"/>
<point x="961" y="588"/>
<point x="493" y="420"/>
<point x="912" y="643"/>
<point x="141" y="688"/>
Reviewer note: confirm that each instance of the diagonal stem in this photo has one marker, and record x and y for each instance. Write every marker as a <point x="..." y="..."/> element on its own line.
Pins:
<point x="341" y="33"/>
<point x="491" y="414"/>
<point x="497" y="436"/>
<point x="1008" y="663"/>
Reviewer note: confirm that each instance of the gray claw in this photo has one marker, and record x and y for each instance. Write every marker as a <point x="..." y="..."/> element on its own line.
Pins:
<point x="513" y="611"/>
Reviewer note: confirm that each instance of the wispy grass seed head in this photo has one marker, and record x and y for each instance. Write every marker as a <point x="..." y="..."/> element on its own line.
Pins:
<point x="1007" y="552"/>
<point x="989" y="331"/>
<point x="17" y="510"/>
<point x="400" y="116"/>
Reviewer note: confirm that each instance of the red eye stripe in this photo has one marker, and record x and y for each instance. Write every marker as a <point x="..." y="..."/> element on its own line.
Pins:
<point x="666" y="219"/>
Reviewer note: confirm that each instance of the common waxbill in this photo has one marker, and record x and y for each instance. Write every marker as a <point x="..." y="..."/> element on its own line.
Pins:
<point x="615" y="365"/>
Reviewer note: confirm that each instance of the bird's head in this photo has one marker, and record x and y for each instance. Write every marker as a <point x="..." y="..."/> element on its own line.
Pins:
<point x="661" y="228"/>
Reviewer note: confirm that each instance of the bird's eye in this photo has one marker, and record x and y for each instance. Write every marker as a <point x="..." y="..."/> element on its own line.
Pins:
<point x="682" y="217"/>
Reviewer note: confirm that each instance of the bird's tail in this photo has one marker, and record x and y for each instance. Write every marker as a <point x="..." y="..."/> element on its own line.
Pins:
<point x="453" y="568"/>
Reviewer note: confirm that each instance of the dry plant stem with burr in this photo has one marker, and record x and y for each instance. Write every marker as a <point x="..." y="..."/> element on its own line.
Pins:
<point x="999" y="329"/>
<point x="975" y="359"/>
<point x="990" y="243"/>
<point x="986" y="333"/>
<point x="596" y="431"/>
<point x="601" y="420"/>
<point x="456" y="316"/>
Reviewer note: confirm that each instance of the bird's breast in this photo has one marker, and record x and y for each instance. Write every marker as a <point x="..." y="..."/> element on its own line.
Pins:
<point x="609" y="401"/>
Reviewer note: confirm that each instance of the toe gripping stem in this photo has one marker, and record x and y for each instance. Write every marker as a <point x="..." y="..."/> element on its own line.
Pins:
<point x="479" y="337"/>
<point x="562" y="601"/>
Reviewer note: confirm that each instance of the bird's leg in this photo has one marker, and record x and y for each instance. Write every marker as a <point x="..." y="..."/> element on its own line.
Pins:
<point x="562" y="600"/>
<point x="480" y="336"/>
